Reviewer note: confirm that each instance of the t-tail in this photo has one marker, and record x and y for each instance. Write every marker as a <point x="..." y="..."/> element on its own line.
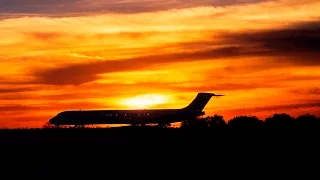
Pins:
<point x="198" y="104"/>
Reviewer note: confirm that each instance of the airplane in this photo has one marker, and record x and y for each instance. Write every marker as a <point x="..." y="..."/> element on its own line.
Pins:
<point x="136" y="116"/>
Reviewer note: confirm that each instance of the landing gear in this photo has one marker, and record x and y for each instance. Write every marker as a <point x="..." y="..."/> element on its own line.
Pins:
<point x="138" y="125"/>
<point x="164" y="125"/>
<point x="79" y="126"/>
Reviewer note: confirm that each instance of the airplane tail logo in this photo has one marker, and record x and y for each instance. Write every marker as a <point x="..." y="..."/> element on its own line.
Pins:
<point x="200" y="102"/>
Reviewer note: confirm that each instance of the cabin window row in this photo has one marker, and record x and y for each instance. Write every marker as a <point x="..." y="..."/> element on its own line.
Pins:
<point x="105" y="114"/>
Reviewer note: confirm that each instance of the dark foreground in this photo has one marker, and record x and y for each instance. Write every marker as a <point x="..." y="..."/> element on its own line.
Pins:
<point x="155" y="152"/>
<point x="278" y="129"/>
<point x="157" y="135"/>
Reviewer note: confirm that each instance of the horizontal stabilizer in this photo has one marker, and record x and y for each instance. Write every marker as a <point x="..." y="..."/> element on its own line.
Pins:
<point x="218" y="95"/>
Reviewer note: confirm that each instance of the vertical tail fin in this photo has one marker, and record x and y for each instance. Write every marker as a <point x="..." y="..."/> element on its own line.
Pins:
<point x="200" y="102"/>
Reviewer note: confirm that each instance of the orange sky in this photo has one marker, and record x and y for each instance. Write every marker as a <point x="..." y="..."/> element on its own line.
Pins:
<point x="80" y="54"/>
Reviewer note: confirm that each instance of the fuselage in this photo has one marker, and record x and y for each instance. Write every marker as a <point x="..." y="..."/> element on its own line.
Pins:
<point x="143" y="116"/>
<point x="147" y="116"/>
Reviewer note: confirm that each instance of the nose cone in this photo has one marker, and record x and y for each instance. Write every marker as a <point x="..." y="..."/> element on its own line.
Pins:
<point x="53" y="120"/>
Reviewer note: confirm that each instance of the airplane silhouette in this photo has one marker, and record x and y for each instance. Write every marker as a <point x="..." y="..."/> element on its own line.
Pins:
<point x="140" y="116"/>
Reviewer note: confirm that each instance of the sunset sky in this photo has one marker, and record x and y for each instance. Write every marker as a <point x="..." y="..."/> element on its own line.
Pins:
<point x="57" y="55"/>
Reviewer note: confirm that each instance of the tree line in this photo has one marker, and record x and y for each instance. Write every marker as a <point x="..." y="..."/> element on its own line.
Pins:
<point x="279" y="120"/>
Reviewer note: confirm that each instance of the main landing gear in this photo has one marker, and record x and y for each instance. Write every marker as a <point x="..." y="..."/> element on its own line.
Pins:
<point x="78" y="126"/>
<point x="138" y="125"/>
<point x="164" y="125"/>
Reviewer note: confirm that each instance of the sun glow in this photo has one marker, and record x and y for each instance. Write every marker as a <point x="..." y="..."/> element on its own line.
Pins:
<point x="145" y="101"/>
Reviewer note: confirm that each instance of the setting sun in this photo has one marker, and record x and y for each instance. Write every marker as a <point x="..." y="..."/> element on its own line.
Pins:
<point x="145" y="101"/>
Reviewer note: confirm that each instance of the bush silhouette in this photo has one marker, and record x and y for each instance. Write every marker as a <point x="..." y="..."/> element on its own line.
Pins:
<point x="307" y="120"/>
<point x="209" y="121"/>
<point x="196" y="123"/>
<point x="246" y="121"/>
<point x="216" y="121"/>
<point x="280" y="120"/>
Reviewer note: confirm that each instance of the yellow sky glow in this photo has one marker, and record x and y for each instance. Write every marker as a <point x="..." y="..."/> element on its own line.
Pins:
<point x="145" y="101"/>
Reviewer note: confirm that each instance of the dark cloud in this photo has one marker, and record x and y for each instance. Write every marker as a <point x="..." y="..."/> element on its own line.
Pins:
<point x="306" y="91"/>
<point x="314" y="91"/>
<point x="46" y="36"/>
<point x="15" y="90"/>
<point x="298" y="44"/>
<point x="286" y="108"/>
<point x="58" y="7"/>
<point x="49" y="97"/>
<point x="300" y="77"/>
<point x="36" y="6"/>
<point x="25" y="121"/>
<point x="59" y="38"/>
<point x="223" y="87"/>
<point x="16" y="107"/>
<point x="77" y="74"/>
<point x="52" y="107"/>
<point x="313" y="104"/>
<point x="93" y="90"/>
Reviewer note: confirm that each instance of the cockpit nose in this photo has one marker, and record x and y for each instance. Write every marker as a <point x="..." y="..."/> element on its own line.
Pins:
<point x="53" y="120"/>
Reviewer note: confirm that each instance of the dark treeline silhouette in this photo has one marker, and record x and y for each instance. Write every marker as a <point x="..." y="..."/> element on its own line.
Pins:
<point x="280" y="120"/>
